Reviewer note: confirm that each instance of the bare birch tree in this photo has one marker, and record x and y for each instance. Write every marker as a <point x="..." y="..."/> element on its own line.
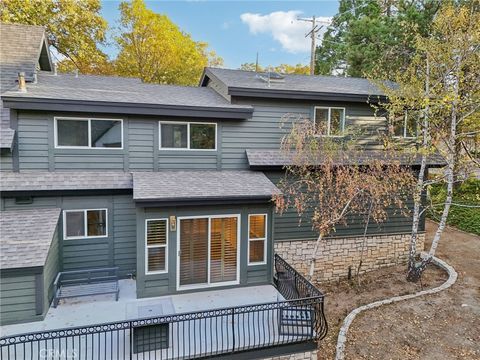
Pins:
<point x="333" y="182"/>
<point x="442" y="85"/>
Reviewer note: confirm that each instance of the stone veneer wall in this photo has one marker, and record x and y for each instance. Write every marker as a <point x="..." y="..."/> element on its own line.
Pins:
<point x="336" y="255"/>
<point x="308" y="355"/>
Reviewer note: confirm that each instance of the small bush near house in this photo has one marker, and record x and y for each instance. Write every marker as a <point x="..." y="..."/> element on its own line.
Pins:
<point x="463" y="218"/>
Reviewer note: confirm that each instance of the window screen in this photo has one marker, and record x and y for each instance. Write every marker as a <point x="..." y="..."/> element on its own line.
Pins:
<point x="72" y="133"/>
<point x="173" y="136"/>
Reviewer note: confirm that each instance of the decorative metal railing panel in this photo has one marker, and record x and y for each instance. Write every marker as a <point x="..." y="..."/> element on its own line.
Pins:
<point x="293" y="285"/>
<point x="185" y="336"/>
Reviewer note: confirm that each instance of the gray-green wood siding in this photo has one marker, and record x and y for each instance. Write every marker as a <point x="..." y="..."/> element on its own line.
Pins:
<point x="289" y="227"/>
<point x="162" y="284"/>
<point x="6" y="160"/>
<point x="18" y="298"/>
<point x="141" y="144"/>
<point x="50" y="271"/>
<point x="118" y="249"/>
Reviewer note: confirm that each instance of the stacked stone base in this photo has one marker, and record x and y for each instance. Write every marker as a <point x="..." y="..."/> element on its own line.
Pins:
<point x="308" y="355"/>
<point x="337" y="257"/>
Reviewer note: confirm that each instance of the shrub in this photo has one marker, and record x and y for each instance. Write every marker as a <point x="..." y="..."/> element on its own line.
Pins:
<point x="464" y="218"/>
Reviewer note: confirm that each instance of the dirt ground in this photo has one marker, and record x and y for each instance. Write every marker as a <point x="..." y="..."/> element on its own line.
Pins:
<point x="441" y="326"/>
<point x="343" y="297"/>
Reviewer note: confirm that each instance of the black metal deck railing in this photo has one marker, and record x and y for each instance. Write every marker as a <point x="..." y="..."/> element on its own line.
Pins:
<point x="296" y="319"/>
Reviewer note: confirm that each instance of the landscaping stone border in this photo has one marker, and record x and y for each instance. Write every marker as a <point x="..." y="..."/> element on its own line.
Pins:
<point x="342" y="335"/>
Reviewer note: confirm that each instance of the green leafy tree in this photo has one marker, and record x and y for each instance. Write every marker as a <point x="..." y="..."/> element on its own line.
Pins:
<point x="442" y="86"/>
<point x="74" y="28"/>
<point x="368" y="33"/>
<point x="154" y="49"/>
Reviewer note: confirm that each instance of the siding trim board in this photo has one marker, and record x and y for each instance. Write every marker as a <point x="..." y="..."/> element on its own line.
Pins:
<point x="302" y="95"/>
<point x="126" y="108"/>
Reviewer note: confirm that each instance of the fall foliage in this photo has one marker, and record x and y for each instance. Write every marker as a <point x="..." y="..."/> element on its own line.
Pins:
<point x="154" y="49"/>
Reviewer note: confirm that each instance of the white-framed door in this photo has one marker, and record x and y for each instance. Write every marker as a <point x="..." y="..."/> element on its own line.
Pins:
<point x="208" y="251"/>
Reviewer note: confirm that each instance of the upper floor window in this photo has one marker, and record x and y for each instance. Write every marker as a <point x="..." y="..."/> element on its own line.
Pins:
<point x="88" y="133"/>
<point x="80" y="224"/>
<point x="405" y="126"/>
<point x="329" y="121"/>
<point x="188" y="136"/>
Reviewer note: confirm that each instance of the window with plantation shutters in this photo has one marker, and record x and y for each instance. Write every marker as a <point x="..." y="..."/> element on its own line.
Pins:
<point x="156" y="246"/>
<point x="257" y="238"/>
<point x="223" y="249"/>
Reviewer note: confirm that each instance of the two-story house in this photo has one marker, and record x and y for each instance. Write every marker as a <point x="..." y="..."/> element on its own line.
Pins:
<point x="170" y="184"/>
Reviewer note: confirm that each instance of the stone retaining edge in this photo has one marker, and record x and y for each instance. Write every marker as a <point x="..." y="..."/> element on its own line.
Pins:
<point x="342" y="335"/>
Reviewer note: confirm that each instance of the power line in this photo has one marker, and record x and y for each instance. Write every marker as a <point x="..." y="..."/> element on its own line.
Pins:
<point x="313" y="36"/>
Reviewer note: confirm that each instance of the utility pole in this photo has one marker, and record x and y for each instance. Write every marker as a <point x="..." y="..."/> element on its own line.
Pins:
<point x="313" y="35"/>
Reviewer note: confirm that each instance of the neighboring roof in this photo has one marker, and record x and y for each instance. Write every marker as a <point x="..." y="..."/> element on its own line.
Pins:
<point x="122" y="95"/>
<point x="262" y="159"/>
<point x="64" y="180"/>
<point x="22" y="48"/>
<point x="177" y="186"/>
<point x="250" y="83"/>
<point x="26" y="236"/>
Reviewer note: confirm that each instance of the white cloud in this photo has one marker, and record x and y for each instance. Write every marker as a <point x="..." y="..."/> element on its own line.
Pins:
<point x="283" y="27"/>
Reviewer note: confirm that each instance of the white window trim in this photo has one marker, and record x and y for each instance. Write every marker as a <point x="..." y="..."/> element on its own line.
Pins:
<point x="264" y="262"/>
<point x="404" y="129"/>
<point x="208" y="284"/>
<point x="156" y="246"/>
<point x="89" y="147"/>
<point x="85" y="224"/>
<point x="329" y="108"/>
<point x="188" y="123"/>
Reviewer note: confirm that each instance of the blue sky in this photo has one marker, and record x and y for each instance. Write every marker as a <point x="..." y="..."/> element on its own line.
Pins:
<point x="236" y="30"/>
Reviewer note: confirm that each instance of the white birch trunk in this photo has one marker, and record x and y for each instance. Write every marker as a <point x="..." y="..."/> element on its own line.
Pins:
<point x="314" y="257"/>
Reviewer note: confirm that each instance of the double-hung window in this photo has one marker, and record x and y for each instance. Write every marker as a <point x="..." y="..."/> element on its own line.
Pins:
<point x="257" y="239"/>
<point x="156" y="247"/>
<point x="88" y="133"/>
<point x="405" y="125"/>
<point x="187" y="135"/>
<point x="329" y="121"/>
<point x="81" y="224"/>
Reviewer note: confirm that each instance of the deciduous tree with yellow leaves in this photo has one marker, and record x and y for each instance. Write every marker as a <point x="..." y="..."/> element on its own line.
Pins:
<point x="154" y="49"/>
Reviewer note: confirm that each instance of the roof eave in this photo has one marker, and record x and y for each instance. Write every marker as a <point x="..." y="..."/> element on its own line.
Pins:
<point x="32" y="103"/>
<point x="205" y="200"/>
<point x="303" y="95"/>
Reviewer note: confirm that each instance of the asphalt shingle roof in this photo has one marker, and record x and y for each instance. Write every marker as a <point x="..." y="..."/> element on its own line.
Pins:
<point x="64" y="180"/>
<point x="278" y="158"/>
<point x="293" y="82"/>
<point x="26" y="236"/>
<point x="20" y="49"/>
<point x="198" y="185"/>
<point x="125" y="90"/>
